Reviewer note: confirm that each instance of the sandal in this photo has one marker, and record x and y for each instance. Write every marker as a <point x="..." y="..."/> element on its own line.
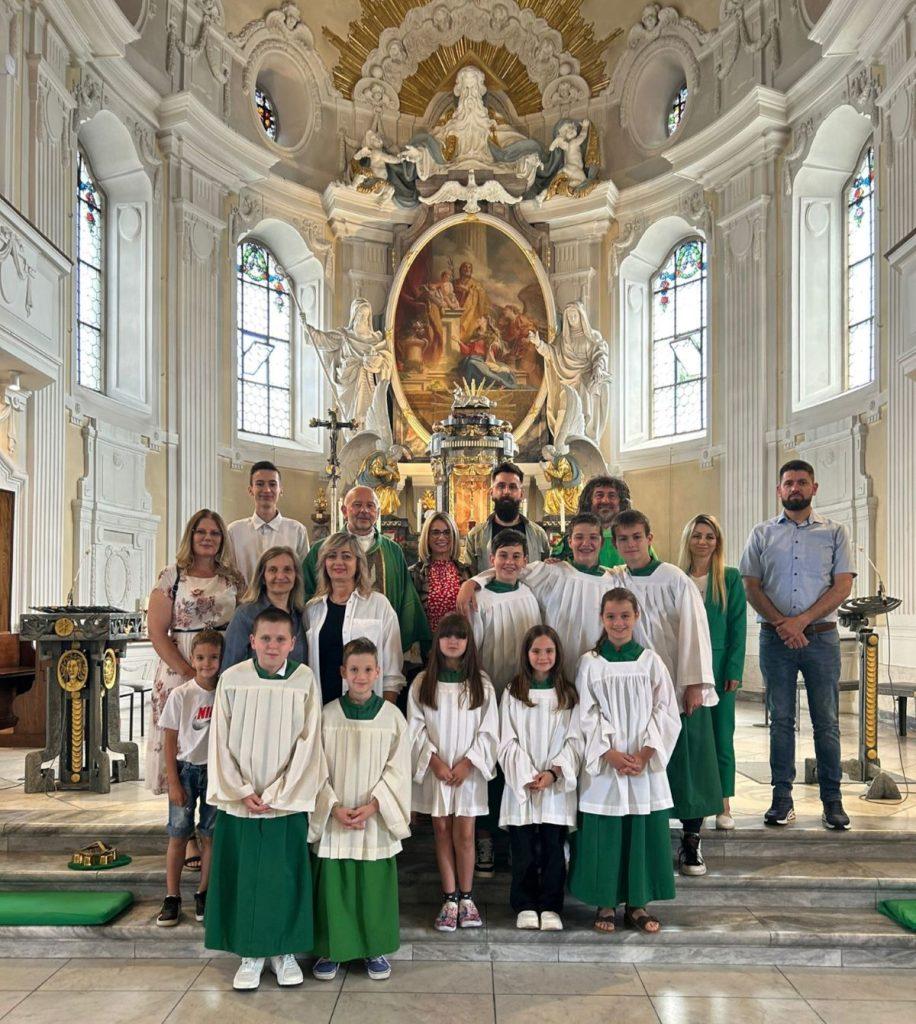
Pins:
<point x="193" y="863"/>
<point x="639" y="918"/>
<point x="606" y="922"/>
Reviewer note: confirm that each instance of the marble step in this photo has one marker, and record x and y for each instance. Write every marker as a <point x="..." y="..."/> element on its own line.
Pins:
<point x="732" y="934"/>
<point x="872" y="838"/>
<point x="754" y="882"/>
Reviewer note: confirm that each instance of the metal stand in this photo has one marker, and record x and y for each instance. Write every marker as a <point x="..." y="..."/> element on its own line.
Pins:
<point x="856" y="614"/>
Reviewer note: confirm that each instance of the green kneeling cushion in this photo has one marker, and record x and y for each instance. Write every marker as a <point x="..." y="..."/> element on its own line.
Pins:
<point x="901" y="911"/>
<point x="62" y="908"/>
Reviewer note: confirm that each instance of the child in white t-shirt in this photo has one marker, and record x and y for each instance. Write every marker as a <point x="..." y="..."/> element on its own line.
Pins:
<point x="185" y="724"/>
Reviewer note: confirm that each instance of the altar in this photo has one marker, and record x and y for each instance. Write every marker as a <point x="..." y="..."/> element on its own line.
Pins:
<point x="478" y="351"/>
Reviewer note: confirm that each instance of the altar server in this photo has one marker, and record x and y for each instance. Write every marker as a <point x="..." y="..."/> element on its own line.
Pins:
<point x="454" y="731"/>
<point x="539" y="755"/>
<point x="673" y="624"/>
<point x="506" y="609"/>
<point x="265" y="769"/>
<point x="568" y="593"/>
<point x="628" y="714"/>
<point x="361" y="816"/>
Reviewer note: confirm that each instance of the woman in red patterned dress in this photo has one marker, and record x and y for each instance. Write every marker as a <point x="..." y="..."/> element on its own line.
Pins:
<point x="438" y="574"/>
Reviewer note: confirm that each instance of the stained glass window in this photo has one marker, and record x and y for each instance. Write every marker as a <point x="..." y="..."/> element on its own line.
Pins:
<point x="679" y="330"/>
<point x="264" y="324"/>
<point x="267" y="112"/>
<point x="89" y="254"/>
<point x="860" y="273"/>
<point x="676" y="110"/>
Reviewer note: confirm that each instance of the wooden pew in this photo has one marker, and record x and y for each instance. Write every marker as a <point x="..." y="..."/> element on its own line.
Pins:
<point x="22" y="710"/>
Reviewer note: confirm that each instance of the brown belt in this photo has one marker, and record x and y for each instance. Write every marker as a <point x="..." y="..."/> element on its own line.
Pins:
<point x="818" y="627"/>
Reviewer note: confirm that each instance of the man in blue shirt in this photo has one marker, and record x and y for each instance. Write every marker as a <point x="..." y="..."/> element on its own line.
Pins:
<point x="798" y="569"/>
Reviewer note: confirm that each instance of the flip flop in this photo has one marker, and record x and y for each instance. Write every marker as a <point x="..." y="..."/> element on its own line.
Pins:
<point x="630" y="920"/>
<point x="193" y="863"/>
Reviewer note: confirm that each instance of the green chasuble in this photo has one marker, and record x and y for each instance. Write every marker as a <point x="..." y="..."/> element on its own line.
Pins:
<point x="389" y="577"/>
<point x="607" y="556"/>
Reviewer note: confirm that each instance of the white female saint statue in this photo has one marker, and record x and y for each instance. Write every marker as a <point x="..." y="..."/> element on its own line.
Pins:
<point x="360" y="359"/>
<point x="576" y="358"/>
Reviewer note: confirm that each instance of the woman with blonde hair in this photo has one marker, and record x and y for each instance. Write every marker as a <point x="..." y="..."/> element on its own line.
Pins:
<point x="277" y="581"/>
<point x="199" y="590"/>
<point x="702" y="557"/>
<point x="438" y="574"/>
<point x="344" y="608"/>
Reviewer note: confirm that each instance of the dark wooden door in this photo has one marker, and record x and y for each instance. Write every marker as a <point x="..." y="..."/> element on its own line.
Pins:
<point x="7" y="511"/>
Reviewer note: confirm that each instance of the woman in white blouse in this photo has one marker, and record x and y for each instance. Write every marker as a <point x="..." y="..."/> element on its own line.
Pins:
<point x="346" y="607"/>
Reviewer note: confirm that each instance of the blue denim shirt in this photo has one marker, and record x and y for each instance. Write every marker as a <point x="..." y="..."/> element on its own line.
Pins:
<point x="796" y="563"/>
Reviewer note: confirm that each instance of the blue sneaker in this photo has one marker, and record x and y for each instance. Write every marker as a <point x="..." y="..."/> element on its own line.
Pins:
<point x="378" y="968"/>
<point x="325" y="970"/>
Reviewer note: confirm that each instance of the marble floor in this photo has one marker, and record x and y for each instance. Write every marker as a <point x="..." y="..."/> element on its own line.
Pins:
<point x="179" y="991"/>
<point x="131" y="802"/>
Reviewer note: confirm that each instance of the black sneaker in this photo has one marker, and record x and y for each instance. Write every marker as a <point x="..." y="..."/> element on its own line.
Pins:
<point x="200" y="904"/>
<point x="781" y="812"/>
<point x="690" y="859"/>
<point x="485" y="865"/>
<point x="834" y="817"/>
<point x="170" y="914"/>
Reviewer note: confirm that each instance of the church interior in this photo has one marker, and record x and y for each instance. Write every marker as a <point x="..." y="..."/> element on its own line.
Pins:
<point x="390" y="244"/>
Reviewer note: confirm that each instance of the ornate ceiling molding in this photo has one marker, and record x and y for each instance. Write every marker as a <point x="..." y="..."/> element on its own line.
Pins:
<point x="399" y="53"/>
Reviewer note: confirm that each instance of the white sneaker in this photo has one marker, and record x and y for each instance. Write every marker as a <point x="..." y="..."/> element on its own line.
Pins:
<point x="550" y="921"/>
<point x="288" y="972"/>
<point x="248" y="975"/>
<point x="527" y="919"/>
<point x="724" y="822"/>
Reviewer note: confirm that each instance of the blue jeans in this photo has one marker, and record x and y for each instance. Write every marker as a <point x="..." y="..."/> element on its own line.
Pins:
<point x="193" y="779"/>
<point x="819" y="664"/>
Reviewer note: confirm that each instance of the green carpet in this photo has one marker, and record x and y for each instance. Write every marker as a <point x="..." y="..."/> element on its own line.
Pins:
<point x="62" y="908"/>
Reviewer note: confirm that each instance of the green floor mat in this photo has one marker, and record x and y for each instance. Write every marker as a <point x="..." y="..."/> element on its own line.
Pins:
<point x="61" y="908"/>
<point x="901" y="911"/>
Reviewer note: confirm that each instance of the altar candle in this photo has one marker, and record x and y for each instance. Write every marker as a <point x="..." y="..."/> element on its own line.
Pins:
<point x="562" y="516"/>
<point x="419" y="514"/>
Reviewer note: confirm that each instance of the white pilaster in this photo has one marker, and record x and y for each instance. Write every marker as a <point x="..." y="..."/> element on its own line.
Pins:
<point x="46" y="504"/>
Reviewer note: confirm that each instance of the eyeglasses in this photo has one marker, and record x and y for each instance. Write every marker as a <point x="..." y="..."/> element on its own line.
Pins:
<point x="440" y="533"/>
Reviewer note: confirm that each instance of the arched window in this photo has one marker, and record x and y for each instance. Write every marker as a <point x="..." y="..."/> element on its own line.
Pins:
<point x="861" y="242"/>
<point x="267" y="112"/>
<point x="89" y="277"/>
<point x="678" y="346"/>
<point x="676" y="110"/>
<point x="264" y="313"/>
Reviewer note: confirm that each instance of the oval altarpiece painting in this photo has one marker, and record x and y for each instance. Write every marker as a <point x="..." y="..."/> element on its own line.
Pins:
<point x="465" y="299"/>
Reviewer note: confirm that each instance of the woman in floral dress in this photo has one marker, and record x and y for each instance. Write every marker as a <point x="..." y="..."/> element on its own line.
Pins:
<point x="199" y="591"/>
<point x="439" y="574"/>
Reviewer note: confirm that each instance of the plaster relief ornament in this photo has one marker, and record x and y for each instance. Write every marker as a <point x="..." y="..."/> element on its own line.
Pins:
<point x="471" y="194"/>
<point x="360" y="360"/>
<point x="369" y="166"/>
<point x="572" y="459"/>
<point x="578" y="359"/>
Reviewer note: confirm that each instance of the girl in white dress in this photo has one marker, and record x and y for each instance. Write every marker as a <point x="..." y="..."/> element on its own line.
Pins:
<point x="539" y="752"/>
<point x="454" y="731"/>
<point x="630" y="723"/>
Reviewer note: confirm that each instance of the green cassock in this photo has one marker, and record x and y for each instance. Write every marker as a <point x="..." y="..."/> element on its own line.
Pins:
<point x="356" y="901"/>
<point x="391" y="578"/>
<point x="728" y="633"/>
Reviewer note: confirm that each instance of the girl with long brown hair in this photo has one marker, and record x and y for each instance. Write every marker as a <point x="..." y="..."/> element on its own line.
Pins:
<point x="454" y="729"/>
<point x="539" y="752"/>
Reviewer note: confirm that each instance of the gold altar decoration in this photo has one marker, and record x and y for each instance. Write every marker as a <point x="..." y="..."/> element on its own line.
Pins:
<point x="505" y="71"/>
<point x="64" y="627"/>
<point x="72" y="671"/>
<point x="94" y="855"/>
<point x="560" y="495"/>
<point x="109" y="669"/>
<point x="428" y="501"/>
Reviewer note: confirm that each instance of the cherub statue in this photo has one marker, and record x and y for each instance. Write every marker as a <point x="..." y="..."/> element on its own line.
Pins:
<point x="571" y="167"/>
<point x="369" y="167"/>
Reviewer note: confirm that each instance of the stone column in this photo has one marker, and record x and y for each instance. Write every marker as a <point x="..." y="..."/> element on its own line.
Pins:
<point x="46" y="500"/>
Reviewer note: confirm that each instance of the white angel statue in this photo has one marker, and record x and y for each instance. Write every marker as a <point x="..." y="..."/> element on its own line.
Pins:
<point x="576" y="358"/>
<point x="360" y="359"/>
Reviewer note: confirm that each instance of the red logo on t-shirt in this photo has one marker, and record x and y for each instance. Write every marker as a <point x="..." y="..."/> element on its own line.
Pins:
<point x="202" y="719"/>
